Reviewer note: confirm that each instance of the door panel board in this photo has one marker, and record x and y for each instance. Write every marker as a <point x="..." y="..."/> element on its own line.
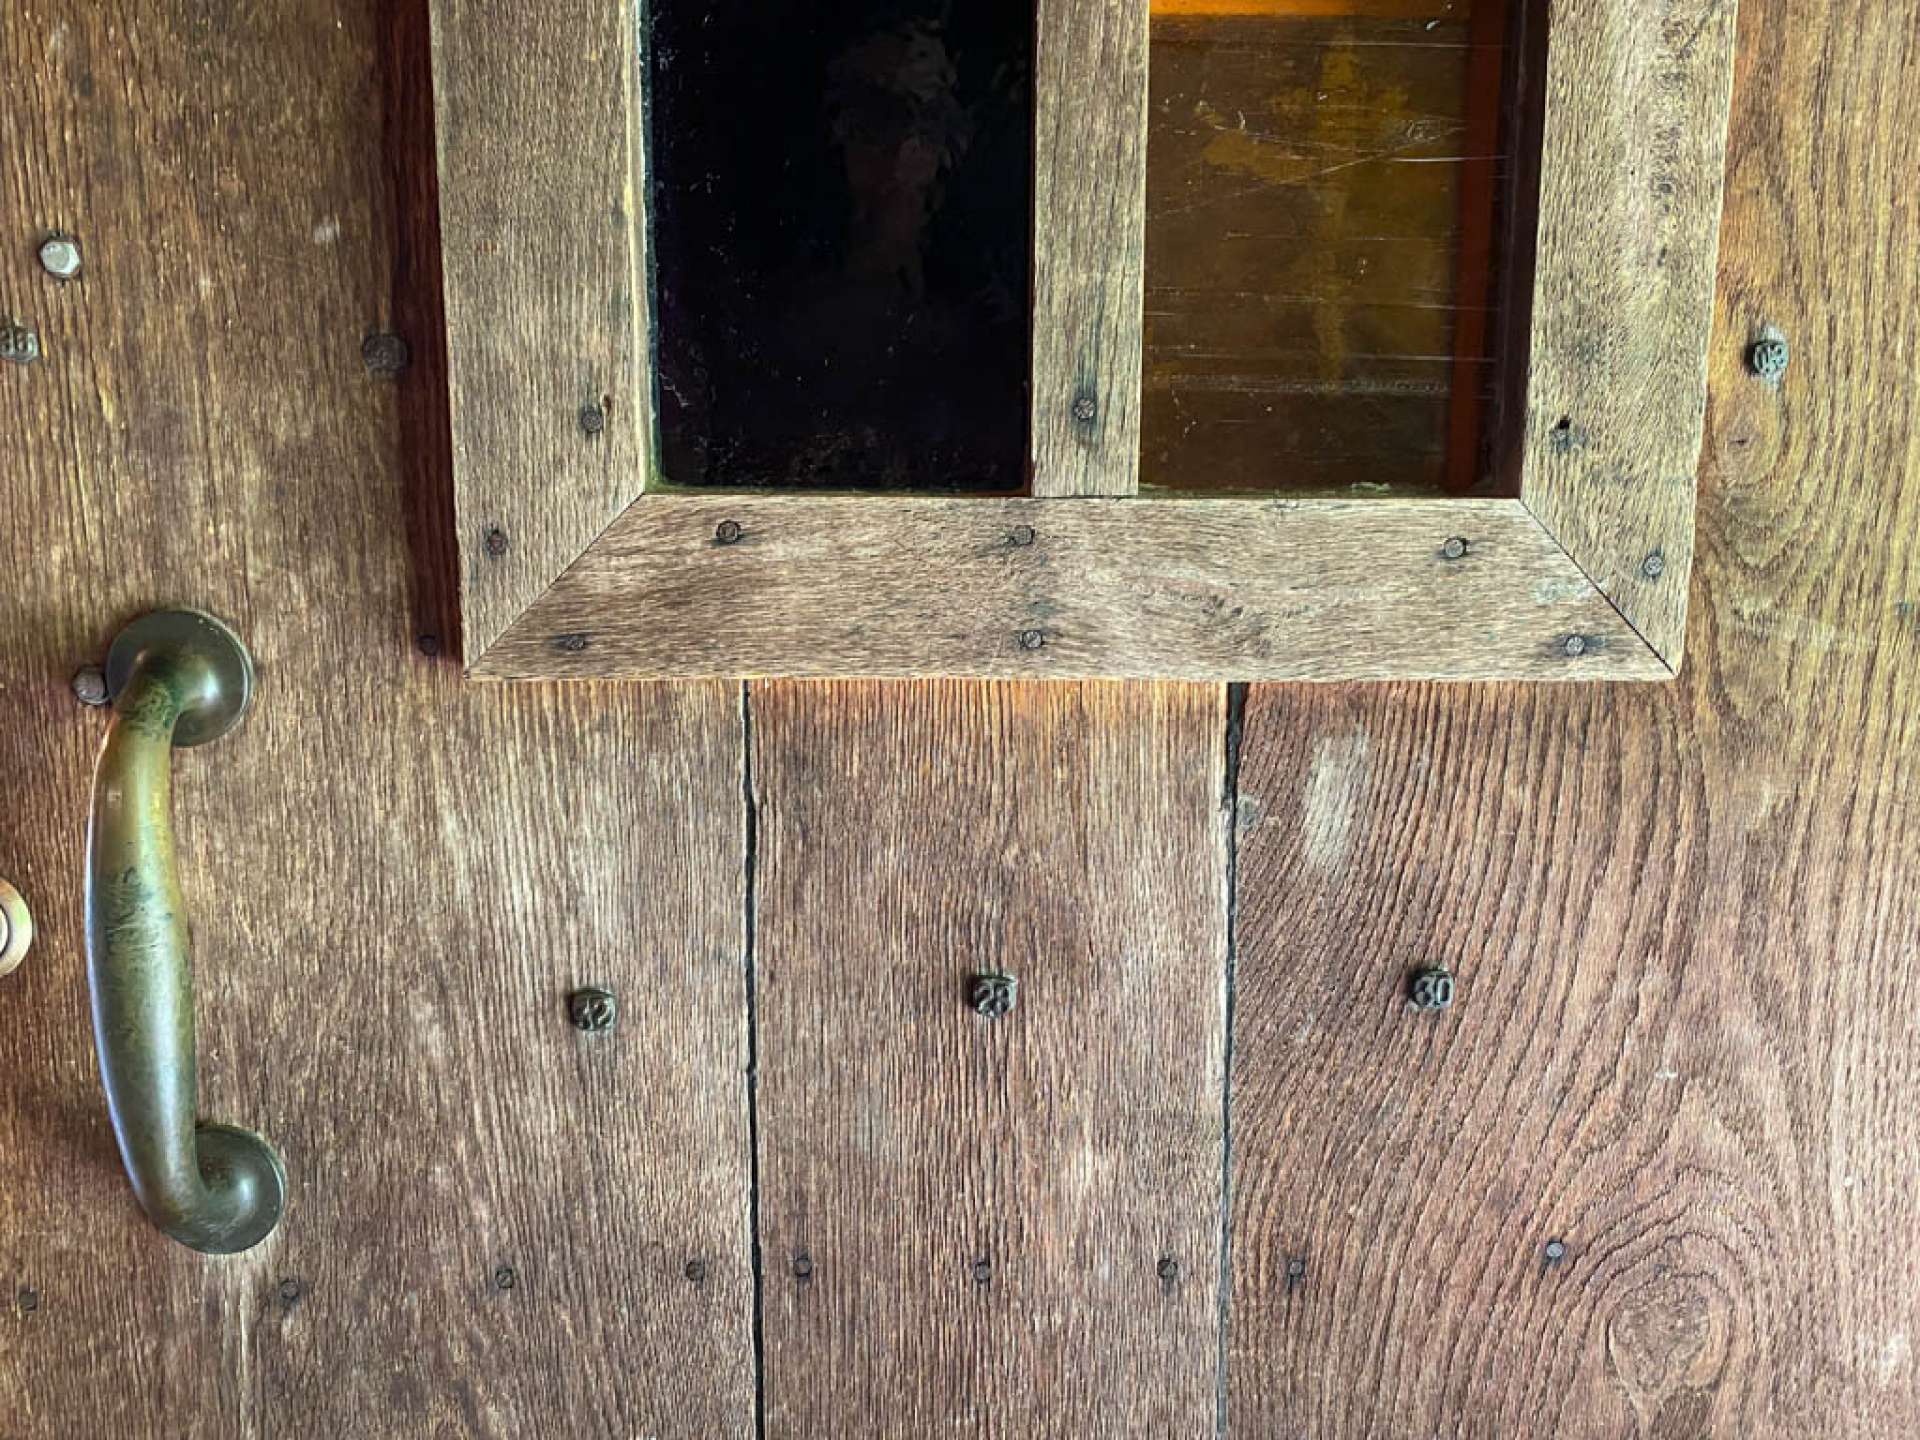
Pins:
<point x="1684" y="923"/>
<point x="909" y="836"/>
<point x="395" y="877"/>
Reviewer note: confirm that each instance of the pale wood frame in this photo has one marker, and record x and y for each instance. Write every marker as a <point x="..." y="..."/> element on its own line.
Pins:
<point x="572" y="566"/>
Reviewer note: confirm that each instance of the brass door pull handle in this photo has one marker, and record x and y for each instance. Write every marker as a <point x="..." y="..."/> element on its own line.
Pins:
<point x="177" y="678"/>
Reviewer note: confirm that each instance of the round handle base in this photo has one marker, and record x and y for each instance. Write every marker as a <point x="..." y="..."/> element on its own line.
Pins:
<point x="245" y="1170"/>
<point x="224" y="690"/>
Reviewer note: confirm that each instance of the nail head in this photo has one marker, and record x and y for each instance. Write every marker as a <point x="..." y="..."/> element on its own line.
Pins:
<point x="385" y="355"/>
<point x="1769" y="358"/>
<point x="1431" y="989"/>
<point x="993" y="994"/>
<point x="593" y="1009"/>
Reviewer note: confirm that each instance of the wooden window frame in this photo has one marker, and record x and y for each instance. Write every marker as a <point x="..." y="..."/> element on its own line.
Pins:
<point x="574" y="565"/>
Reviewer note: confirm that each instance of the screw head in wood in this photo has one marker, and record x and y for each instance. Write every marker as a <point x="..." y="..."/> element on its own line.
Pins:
<point x="1654" y="566"/>
<point x="1021" y="536"/>
<point x="1574" y="646"/>
<point x="60" y="256"/>
<point x="496" y="541"/>
<point x="728" y="532"/>
<point x="1454" y="549"/>
<point x="593" y="1009"/>
<point x="1556" y="1251"/>
<point x="1431" y="989"/>
<point x="592" y="419"/>
<point x="1086" y="409"/>
<point x="993" y="994"/>
<point x="1033" y="639"/>
<point x="1769" y="358"/>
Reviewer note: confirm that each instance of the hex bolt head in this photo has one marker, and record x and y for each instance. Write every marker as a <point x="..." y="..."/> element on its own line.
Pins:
<point x="60" y="257"/>
<point x="993" y="994"/>
<point x="1431" y="989"/>
<point x="1769" y="358"/>
<point x="593" y="1009"/>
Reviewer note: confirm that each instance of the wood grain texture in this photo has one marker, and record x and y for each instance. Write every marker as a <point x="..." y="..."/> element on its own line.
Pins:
<point x="1632" y="175"/>
<point x="987" y="1209"/>
<point x="395" y="877"/>
<point x="1089" y="252"/>
<point x="541" y="188"/>
<point x="1189" y="589"/>
<point x="1684" y="920"/>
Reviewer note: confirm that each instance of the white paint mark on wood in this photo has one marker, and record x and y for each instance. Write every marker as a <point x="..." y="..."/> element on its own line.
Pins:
<point x="1336" y="790"/>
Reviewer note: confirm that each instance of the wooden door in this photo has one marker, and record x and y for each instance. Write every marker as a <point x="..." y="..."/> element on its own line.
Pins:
<point x="800" y="1189"/>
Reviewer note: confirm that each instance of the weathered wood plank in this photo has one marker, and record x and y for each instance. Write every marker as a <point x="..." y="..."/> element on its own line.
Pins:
<point x="1089" y="255"/>
<point x="1683" y="921"/>
<point x="1189" y="589"/>
<point x="1623" y="291"/>
<point x="998" y="1228"/>
<point x="541" y="186"/>
<point x="394" y="877"/>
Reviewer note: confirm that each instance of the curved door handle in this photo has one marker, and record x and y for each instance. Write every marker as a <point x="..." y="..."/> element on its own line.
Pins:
<point x="177" y="678"/>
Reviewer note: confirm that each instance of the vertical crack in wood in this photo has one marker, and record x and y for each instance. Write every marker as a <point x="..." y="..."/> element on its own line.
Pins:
<point x="750" y="976"/>
<point x="1230" y="802"/>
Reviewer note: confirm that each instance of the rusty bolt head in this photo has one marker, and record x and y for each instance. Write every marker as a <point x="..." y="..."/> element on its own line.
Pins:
<point x="1769" y="358"/>
<point x="593" y="1009"/>
<point x="993" y="994"/>
<point x="1431" y="989"/>
<point x="60" y="256"/>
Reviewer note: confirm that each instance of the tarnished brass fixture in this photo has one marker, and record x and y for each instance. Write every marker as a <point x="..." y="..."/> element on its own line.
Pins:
<point x="177" y="678"/>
